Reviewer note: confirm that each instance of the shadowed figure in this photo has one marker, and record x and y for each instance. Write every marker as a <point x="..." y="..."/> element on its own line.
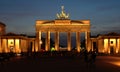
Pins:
<point x="89" y="58"/>
<point x="91" y="61"/>
<point x="93" y="56"/>
<point x="85" y="56"/>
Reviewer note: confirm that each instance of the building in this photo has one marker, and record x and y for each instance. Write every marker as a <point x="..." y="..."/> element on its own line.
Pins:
<point x="62" y="24"/>
<point x="18" y="43"/>
<point x="15" y="43"/>
<point x="106" y="43"/>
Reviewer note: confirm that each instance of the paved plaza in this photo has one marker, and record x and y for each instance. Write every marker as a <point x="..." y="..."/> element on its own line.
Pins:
<point x="61" y="64"/>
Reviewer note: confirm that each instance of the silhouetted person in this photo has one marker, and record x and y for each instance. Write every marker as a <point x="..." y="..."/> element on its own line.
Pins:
<point x="93" y="56"/>
<point x="86" y="56"/>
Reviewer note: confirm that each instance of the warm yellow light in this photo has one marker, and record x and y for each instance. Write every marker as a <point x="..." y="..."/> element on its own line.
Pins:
<point x="36" y="49"/>
<point x="115" y="63"/>
<point x="109" y="51"/>
<point x="41" y="42"/>
<point x="46" y="49"/>
<point x="118" y="46"/>
<point x="116" y="50"/>
<point x="78" y="49"/>
<point x="103" y="51"/>
<point x="17" y="45"/>
<point x="69" y="49"/>
<point x="11" y="45"/>
<point x="113" y="42"/>
<point x="105" y="45"/>
<point x="0" y="47"/>
<point x="10" y="42"/>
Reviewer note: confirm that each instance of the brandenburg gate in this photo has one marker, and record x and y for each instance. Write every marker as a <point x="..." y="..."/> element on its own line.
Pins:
<point x="62" y="24"/>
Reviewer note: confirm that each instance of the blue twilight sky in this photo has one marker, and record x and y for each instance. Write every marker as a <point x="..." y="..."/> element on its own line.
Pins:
<point x="20" y="15"/>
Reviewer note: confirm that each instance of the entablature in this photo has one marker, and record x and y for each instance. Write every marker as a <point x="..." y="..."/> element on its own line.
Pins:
<point x="64" y="28"/>
<point x="57" y="21"/>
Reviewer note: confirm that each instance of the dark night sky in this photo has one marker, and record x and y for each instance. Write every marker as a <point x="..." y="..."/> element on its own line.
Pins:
<point x="20" y="15"/>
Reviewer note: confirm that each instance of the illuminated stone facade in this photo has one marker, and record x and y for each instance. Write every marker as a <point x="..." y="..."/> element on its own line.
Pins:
<point x="66" y="25"/>
<point x="107" y="43"/>
<point x="62" y="24"/>
<point x="14" y="43"/>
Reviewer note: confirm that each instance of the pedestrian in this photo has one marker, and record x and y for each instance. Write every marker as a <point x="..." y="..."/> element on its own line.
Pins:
<point x="85" y="56"/>
<point x="93" y="56"/>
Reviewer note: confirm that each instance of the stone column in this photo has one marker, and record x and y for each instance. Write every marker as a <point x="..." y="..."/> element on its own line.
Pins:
<point x="78" y="41"/>
<point x="17" y="45"/>
<point x="5" y="46"/>
<point x="13" y="46"/>
<point x="0" y="46"/>
<point x="33" y="46"/>
<point x="20" y="45"/>
<point x="57" y="41"/>
<point x="26" y="45"/>
<point x="47" y="46"/>
<point x="108" y="50"/>
<point x="92" y="47"/>
<point x="39" y="42"/>
<point x="69" y="41"/>
<point x="116" y="46"/>
<point x="19" y="51"/>
<point x="87" y="39"/>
